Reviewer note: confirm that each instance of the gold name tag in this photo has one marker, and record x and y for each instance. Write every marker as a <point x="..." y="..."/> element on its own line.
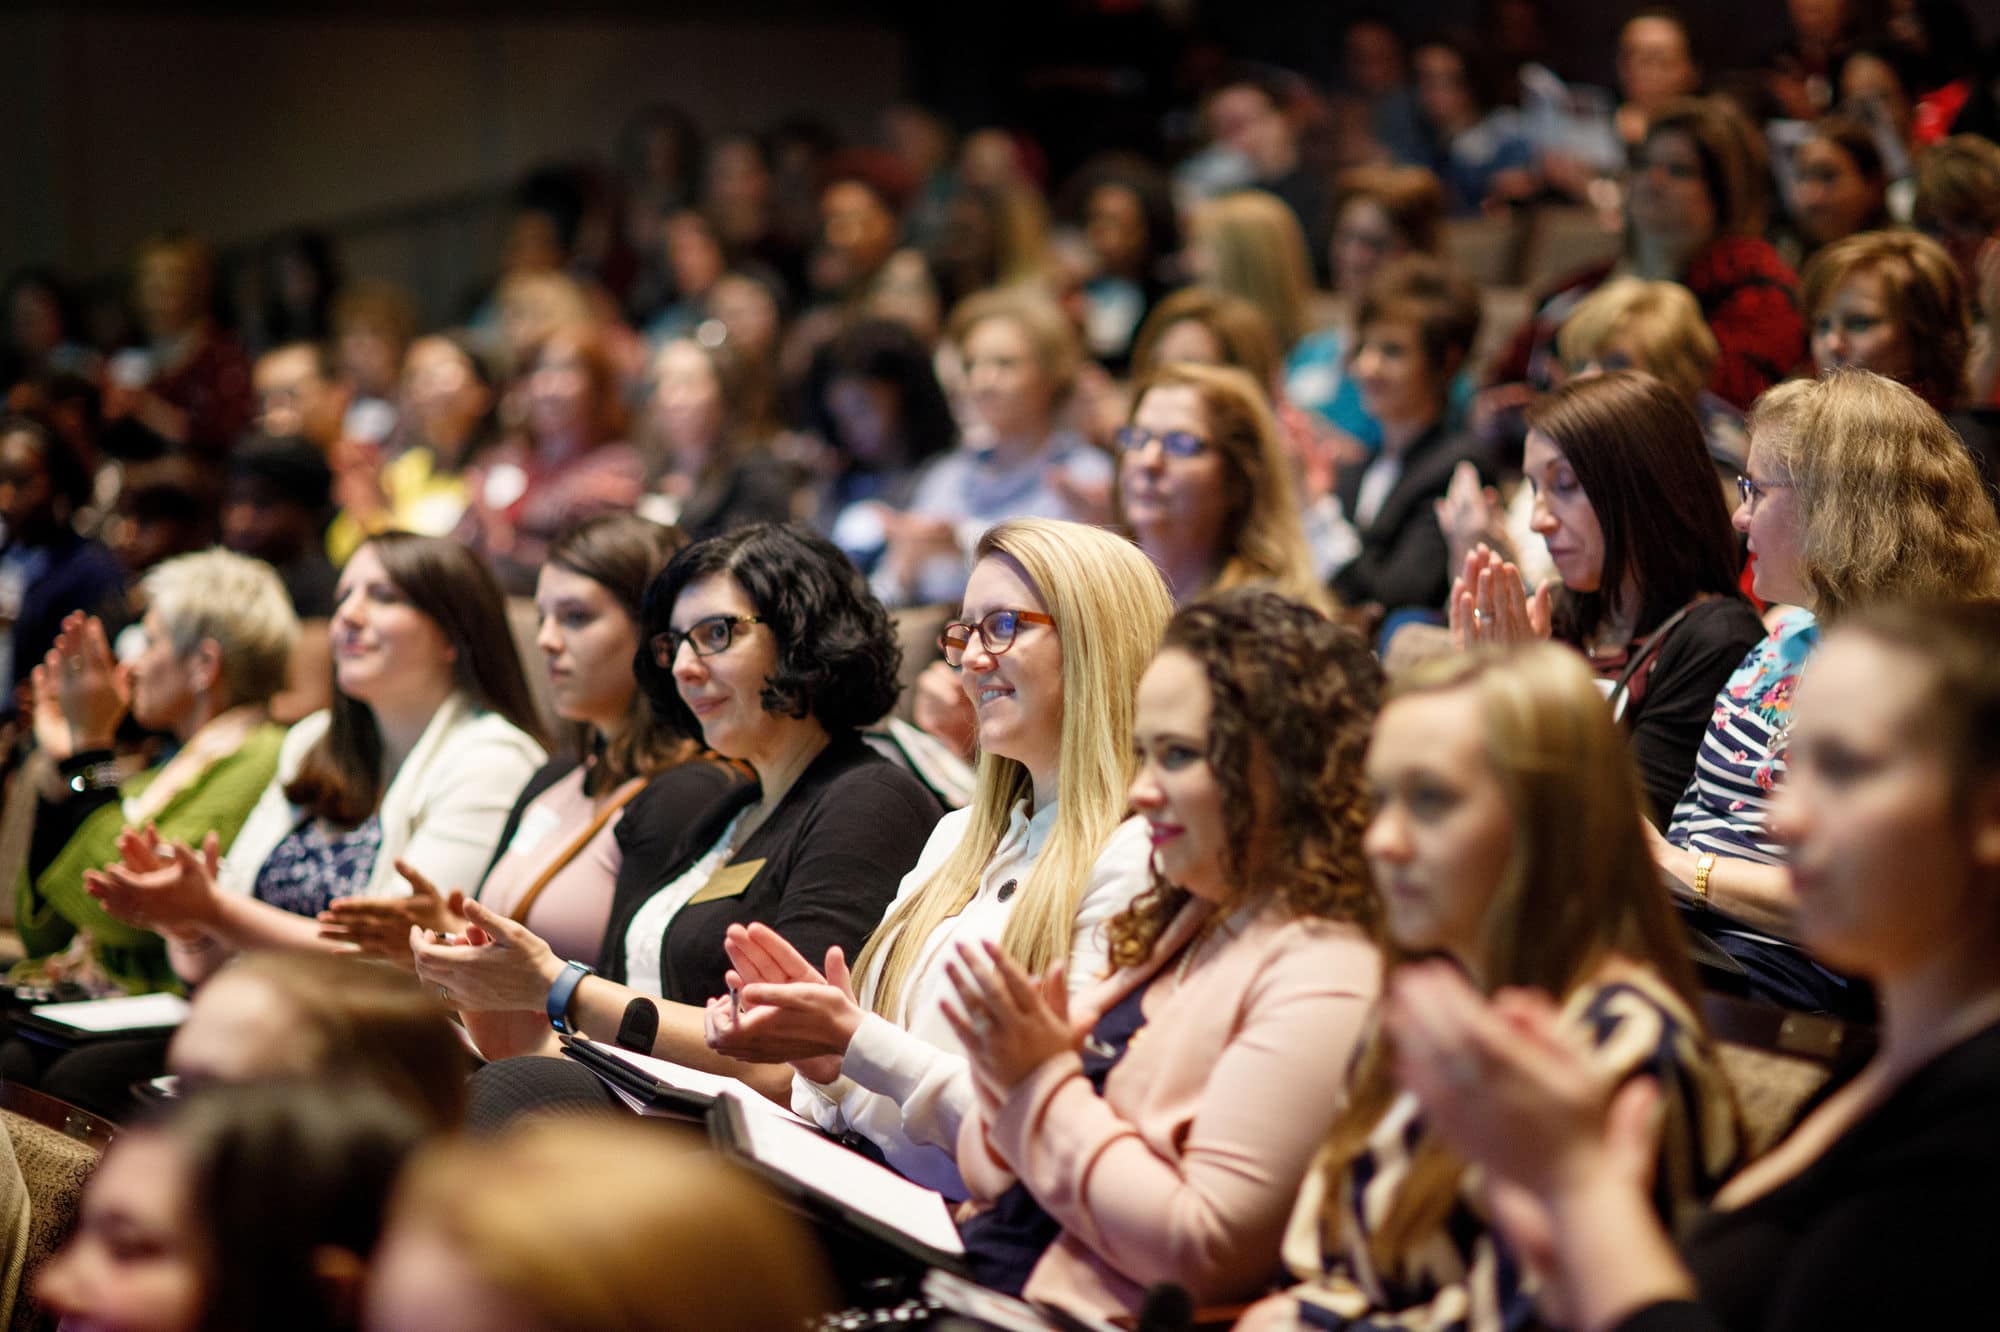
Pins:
<point x="729" y="881"/>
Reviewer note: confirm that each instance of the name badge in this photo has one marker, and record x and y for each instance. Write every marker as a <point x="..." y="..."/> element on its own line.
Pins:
<point x="536" y="824"/>
<point x="729" y="881"/>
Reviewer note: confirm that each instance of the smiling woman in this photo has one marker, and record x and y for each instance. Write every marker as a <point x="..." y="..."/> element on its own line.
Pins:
<point x="765" y="641"/>
<point x="1059" y="620"/>
<point x="1166" y="1144"/>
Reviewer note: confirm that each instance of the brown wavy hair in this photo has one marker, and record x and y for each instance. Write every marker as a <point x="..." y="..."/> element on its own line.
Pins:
<point x="1924" y="296"/>
<point x="1893" y="506"/>
<point x="1292" y="698"/>
<point x="1239" y="327"/>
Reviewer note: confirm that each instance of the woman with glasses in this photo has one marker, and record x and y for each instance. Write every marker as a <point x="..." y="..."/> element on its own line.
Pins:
<point x="1058" y="624"/>
<point x="1206" y="489"/>
<point x="767" y="641"/>
<point x="1626" y="501"/>
<point x="1855" y="493"/>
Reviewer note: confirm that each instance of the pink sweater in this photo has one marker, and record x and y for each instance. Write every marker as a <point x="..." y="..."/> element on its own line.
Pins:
<point x="1186" y="1169"/>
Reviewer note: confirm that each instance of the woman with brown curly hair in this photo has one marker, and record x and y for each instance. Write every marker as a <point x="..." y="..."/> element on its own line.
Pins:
<point x="1161" y="1135"/>
<point x="1506" y="841"/>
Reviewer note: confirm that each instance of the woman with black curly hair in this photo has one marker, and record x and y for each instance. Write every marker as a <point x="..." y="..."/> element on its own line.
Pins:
<point x="1157" y="1128"/>
<point x="765" y="642"/>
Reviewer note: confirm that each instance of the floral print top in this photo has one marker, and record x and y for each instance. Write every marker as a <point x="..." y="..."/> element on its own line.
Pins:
<point x="1742" y="755"/>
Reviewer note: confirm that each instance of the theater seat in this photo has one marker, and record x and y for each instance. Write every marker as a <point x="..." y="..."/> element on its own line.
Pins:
<point x="1775" y="1060"/>
<point x="57" y="1147"/>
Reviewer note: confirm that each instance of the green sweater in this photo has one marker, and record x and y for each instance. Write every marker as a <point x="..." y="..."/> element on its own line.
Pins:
<point x="51" y="908"/>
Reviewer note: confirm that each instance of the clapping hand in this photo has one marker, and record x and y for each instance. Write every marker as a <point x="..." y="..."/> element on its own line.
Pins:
<point x="780" y="1009"/>
<point x="379" y="927"/>
<point x="1009" y="1024"/>
<point x="158" y="886"/>
<point x="81" y="693"/>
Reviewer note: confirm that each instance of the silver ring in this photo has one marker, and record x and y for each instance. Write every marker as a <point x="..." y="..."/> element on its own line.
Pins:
<point x="1478" y="616"/>
<point x="982" y="1025"/>
<point x="444" y="994"/>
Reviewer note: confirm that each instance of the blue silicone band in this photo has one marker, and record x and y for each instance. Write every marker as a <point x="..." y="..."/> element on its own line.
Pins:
<point x="561" y="992"/>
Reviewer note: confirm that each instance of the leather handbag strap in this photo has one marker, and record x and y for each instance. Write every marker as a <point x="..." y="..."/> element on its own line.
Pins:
<point x="520" y="912"/>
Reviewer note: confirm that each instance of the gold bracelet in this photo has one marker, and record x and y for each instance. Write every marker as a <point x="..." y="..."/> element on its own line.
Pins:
<point x="1704" y="864"/>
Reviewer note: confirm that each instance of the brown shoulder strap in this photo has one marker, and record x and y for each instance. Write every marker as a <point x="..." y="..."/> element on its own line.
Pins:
<point x="520" y="912"/>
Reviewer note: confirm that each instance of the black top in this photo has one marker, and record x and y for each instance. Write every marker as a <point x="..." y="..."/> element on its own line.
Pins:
<point x="1403" y="555"/>
<point x="1672" y="714"/>
<point x="1894" y="1227"/>
<point x="834" y="851"/>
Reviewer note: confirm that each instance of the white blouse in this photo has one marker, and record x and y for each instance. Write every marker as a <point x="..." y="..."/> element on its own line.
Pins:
<point x="647" y="933"/>
<point x="906" y="1085"/>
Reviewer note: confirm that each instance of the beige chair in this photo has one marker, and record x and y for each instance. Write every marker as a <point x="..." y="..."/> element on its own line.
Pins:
<point x="1565" y="240"/>
<point x="57" y="1147"/>
<point x="1776" y="1060"/>
<point x="1490" y="249"/>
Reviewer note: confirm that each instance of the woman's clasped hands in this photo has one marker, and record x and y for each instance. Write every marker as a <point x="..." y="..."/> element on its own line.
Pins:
<point x="1490" y="604"/>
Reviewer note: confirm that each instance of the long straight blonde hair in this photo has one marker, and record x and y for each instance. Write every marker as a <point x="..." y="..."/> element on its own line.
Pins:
<point x="1110" y="607"/>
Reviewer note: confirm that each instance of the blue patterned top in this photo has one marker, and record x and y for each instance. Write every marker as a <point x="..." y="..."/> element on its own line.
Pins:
<point x="311" y="867"/>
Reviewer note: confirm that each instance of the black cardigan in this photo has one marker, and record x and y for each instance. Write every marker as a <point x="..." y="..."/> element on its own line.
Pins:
<point x="1670" y="719"/>
<point x="1403" y="555"/>
<point x="1892" y="1228"/>
<point x="834" y="851"/>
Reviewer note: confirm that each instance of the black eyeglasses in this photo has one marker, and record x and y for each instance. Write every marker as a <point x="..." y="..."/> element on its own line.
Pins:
<point x="996" y="631"/>
<point x="1750" y="490"/>
<point x="1177" y="443"/>
<point x="707" y="637"/>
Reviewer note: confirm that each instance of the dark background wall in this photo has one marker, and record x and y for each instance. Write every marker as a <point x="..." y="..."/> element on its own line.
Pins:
<point x="383" y="120"/>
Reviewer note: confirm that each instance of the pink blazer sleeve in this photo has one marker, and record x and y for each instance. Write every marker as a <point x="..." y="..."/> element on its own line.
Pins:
<point x="1211" y="1215"/>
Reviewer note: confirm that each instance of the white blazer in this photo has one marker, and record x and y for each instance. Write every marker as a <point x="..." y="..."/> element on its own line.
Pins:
<point x="443" y="811"/>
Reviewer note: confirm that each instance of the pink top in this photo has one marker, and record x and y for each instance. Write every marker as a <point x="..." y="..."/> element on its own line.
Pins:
<point x="571" y="911"/>
<point x="1186" y="1168"/>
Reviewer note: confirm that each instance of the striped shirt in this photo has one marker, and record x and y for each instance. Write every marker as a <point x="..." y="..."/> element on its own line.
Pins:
<point x="1742" y="755"/>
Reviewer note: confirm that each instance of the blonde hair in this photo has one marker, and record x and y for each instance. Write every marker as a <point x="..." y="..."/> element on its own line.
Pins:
<point x="1263" y="540"/>
<point x="1259" y="253"/>
<point x="654" y="1233"/>
<point x="1057" y="347"/>
<point x="1892" y="507"/>
<point x="1923" y="294"/>
<point x="1110" y="606"/>
<point x="238" y="603"/>
<point x="1579" y="888"/>
<point x="1658" y="324"/>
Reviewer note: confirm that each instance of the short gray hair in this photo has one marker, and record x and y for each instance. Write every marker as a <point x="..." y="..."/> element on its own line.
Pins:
<point x="238" y="602"/>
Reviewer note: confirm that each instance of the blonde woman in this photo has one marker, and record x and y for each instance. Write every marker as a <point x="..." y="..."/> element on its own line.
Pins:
<point x="1205" y="487"/>
<point x="656" y="1233"/>
<point x="1249" y="244"/>
<point x="1021" y="355"/>
<point x="1505" y="838"/>
<point x="1059" y="623"/>
<point x="1856" y="492"/>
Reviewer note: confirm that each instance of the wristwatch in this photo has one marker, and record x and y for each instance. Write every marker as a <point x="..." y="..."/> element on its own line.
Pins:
<point x="1704" y="866"/>
<point x="91" y="770"/>
<point x="561" y="992"/>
